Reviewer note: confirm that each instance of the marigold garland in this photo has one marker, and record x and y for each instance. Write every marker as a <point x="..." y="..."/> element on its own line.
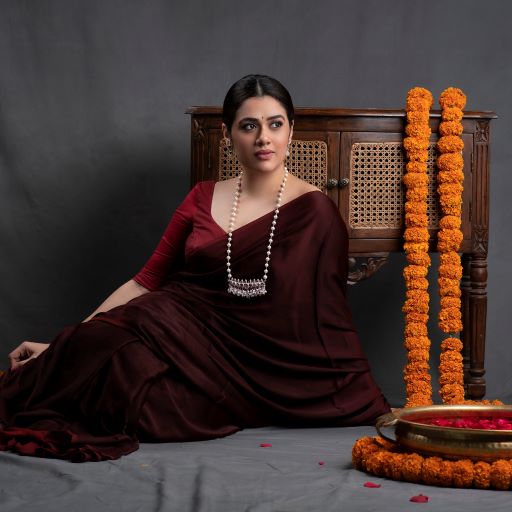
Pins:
<point x="376" y="455"/>
<point x="381" y="458"/>
<point x="416" y="372"/>
<point x="450" y="165"/>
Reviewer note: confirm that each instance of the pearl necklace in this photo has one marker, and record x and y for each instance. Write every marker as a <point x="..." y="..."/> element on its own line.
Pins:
<point x="249" y="288"/>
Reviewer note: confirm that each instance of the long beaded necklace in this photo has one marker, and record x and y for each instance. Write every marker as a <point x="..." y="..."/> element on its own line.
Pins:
<point x="249" y="288"/>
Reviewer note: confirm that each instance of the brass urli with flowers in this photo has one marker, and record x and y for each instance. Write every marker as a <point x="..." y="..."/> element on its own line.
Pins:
<point x="461" y="443"/>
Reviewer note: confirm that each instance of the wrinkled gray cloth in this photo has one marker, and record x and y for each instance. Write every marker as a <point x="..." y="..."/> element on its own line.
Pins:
<point x="229" y="474"/>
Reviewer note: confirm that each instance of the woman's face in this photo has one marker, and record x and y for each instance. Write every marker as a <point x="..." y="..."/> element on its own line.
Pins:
<point x="260" y="134"/>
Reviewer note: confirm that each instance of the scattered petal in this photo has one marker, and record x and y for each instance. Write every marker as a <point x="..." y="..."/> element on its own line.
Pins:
<point x="371" y="485"/>
<point x="265" y="445"/>
<point x="419" y="499"/>
<point x="321" y="462"/>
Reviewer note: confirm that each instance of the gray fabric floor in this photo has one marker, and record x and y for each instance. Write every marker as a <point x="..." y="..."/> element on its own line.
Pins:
<point x="230" y="474"/>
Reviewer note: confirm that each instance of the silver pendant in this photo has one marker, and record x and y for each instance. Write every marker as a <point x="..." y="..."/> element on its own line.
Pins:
<point x="247" y="288"/>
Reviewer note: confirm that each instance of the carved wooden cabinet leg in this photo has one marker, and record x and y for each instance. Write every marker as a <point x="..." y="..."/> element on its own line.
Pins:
<point x="465" y="286"/>
<point x="478" y="314"/>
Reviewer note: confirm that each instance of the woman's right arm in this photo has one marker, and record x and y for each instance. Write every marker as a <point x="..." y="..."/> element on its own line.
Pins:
<point x="30" y="350"/>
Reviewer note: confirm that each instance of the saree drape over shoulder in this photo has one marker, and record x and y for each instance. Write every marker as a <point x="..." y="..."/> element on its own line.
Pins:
<point x="188" y="361"/>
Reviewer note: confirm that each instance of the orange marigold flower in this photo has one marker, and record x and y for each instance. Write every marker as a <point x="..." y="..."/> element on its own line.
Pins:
<point x="411" y="467"/>
<point x="416" y="317"/>
<point x="452" y="114"/>
<point x="452" y="97"/>
<point x="450" y="375"/>
<point x="449" y="287"/>
<point x="419" y="387"/>
<point x="450" y="177"/>
<point x="416" y="283"/>
<point x="449" y="258"/>
<point x="451" y="356"/>
<point x="451" y="302"/>
<point x="416" y="167"/>
<point x="415" y="179"/>
<point x="448" y="283"/>
<point x="449" y="240"/>
<point x="418" y="400"/>
<point x="418" y="130"/>
<point x="393" y="466"/>
<point x="415" y="305"/>
<point x="450" y="324"/>
<point x="451" y="344"/>
<point x="415" y="247"/>
<point x="416" y="194"/>
<point x="451" y="205"/>
<point x="434" y="472"/>
<point x="376" y="462"/>
<point x="359" y="449"/>
<point x="415" y="377"/>
<point x="412" y="271"/>
<point x="416" y="367"/>
<point x="450" y="128"/>
<point x="419" y="207"/>
<point x="418" y="117"/>
<point x="416" y="235"/>
<point x="450" y="222"/>
<point x="451" y="271"/>
<point x="452" y="394"/>
<point x="482" y="475"/>
<point x="449" y="189"/>
<point x="419" y="98"/>
<point x="450" y="144"/>
<point x="415" y="144"/>
<point x="419" y="295"/>
<point x="417" y="355"/>
<point x="450" y="162"/>
<point x="415" y="329"/>
<point x="462" y="472"/>
<point x="501" y="474"/>
<point x="417" y="155"/>
<point x="418" y="258"/>
<point x="417" y="343"/>
<point x="417" y="220"/>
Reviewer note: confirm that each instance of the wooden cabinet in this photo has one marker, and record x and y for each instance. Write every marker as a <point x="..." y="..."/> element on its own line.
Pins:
<point x="356" y="157"/>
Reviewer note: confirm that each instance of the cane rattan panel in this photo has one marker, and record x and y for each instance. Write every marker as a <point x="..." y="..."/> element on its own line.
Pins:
<point x="377" y="194"/>
<point x="307" y="160"/>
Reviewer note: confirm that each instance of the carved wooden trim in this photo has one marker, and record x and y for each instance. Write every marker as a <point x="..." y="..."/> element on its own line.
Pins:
<point x="367" y="267"/>
<point x="482" y="131"/>
<point x="480" y="240"/>
<point x="199" y="148"/>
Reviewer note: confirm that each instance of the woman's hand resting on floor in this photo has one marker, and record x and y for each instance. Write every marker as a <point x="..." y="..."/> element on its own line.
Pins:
<point x="25" y="352"/>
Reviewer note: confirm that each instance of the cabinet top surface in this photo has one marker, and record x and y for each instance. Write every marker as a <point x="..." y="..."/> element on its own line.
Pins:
<point x="346" y="112"/>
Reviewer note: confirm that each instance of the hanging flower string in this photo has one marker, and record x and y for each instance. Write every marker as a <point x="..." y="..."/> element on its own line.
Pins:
<point x="417" y="343"/>
<point x="450" y="179"/>
<point x="375" y="455"/>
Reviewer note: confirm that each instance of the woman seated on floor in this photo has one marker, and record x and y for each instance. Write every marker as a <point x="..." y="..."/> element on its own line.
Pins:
<point x="239" y="318"/>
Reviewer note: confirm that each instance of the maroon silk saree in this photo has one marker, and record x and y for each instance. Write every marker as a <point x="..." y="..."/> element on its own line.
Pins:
<point x="188" y="361"/>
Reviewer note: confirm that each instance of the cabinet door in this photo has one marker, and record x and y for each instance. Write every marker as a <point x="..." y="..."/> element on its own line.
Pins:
<point x="373" y="202"/>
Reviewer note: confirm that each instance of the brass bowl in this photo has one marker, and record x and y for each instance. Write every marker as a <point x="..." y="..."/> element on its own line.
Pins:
<point x="449" y="442"/>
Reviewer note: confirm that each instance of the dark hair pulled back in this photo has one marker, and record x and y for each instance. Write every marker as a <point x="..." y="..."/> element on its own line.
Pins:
<point x="251" y="86"/>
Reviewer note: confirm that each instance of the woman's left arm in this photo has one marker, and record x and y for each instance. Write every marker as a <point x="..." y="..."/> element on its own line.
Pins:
<point x="122" y="295"/>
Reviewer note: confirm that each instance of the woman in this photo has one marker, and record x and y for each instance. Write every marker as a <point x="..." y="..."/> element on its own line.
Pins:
<point x="239" y="319"/>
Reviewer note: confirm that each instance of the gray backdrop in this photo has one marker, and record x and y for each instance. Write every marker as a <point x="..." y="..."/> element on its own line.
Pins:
<point x="94" y="142"/>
